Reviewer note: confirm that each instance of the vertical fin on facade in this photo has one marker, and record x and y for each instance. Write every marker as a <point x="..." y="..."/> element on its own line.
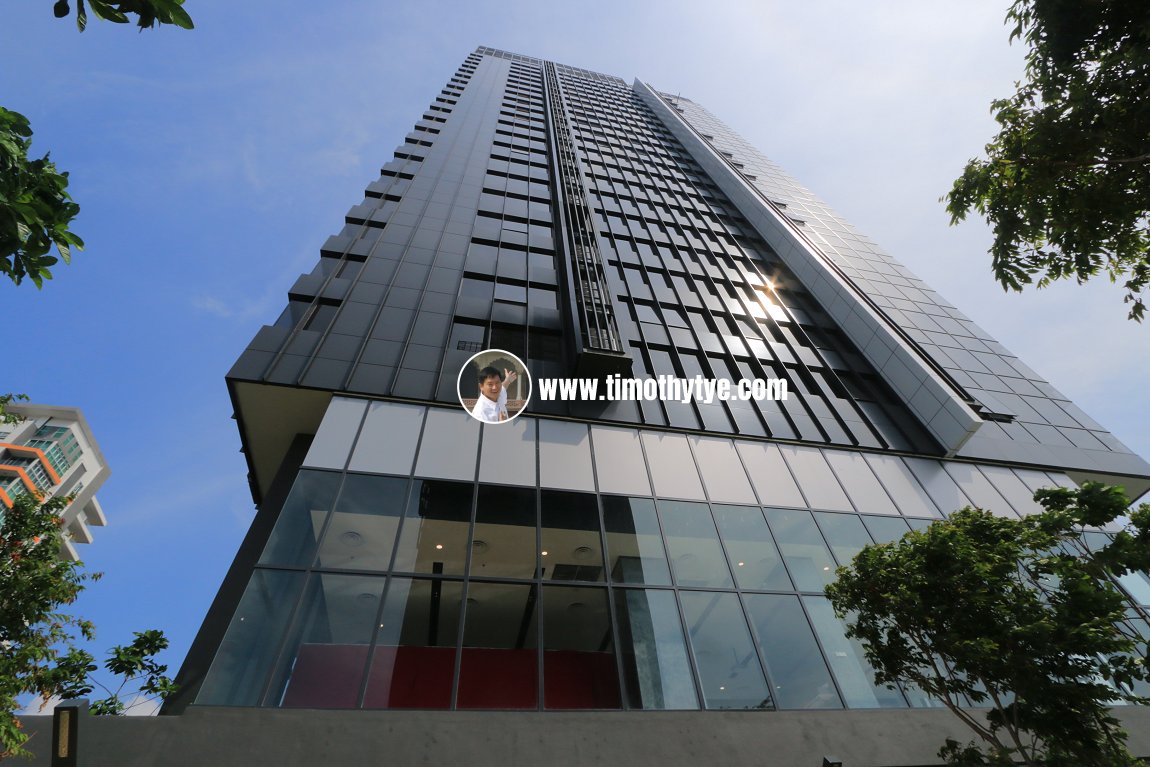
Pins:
<point x="599" y="349"/>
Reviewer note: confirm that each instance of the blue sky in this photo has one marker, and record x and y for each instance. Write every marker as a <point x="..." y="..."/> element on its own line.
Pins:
<point x="210" y="165"/>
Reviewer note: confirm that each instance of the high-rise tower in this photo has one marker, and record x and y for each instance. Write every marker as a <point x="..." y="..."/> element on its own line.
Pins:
<point x="598" y="554"/>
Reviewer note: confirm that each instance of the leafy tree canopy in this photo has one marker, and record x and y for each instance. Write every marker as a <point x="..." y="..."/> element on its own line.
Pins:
<point x="36" y="211"/>
<point x="1065" y="184"/>
<point x="148" y="13"/>
<point x="37" y="655"/>
<point x="1017" y="615"/>
<point x="35" y="207"/>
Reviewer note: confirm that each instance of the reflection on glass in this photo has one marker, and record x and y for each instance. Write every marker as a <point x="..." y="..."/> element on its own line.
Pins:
<point x="696" y="557"/>
<point x="241" y="665"/>
<point x="656" y="670"/>
<point x="845" y="533"/>
<point x="886" y="529"/>
<point x="725" y="657"/>
<point x="752" y="554"/>
<point x="634" y="543"/>
<point x="855" y="676"/>
<point x="362" y="530"/>
<point x="504" y="543"/>
<point x="578" y="652"/>
<point x="414" y="656"/>
<point x="571" y="549"/>
<point x="433" y="538"/>
<point x="798" y="672"/>
<point x="499" y="664"/>
<point x="300" y="522"/>
<point x="323" y="663"/>
<point x="803" y="549"/>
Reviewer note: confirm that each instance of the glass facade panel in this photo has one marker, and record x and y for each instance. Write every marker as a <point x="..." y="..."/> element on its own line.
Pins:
<point x="845" y="534"/>
<point x="362" y="530"/>
<point x="413" y="661"/>
<point x="325" y="658"/>
<point x="301" y="520"/>
<point x="578" y="649"/>
<point x="855" y="676"/>
<point x="656" y="669"/>
<point x="499" y="667"/>
<point x="750" y="550"/>
<point x="572" y="549"/>
<point x="860" y="483"/>
<point x="503" y="545"/>
<point x="672" y="466"/>
<point x="246" y="655"/>
<point x="803" y="549"/>
<point x="634" y="543"/>
<point x="886" y="529"/>
<point x="620" y="467"/>
<point x="433" y="538"/>
<point x="799" y="675"/>
<point x="697" y="559"/>
<point x="815" y="478"/>
<point x="725" y="656"/>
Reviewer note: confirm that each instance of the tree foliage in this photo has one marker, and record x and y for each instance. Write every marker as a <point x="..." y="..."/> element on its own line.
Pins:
<point x="36" y="211"/>
<point x="35" y="207"/>
<point x="37" y="654"/>
<point x="1013" y="614"/>
<point x="1066" y="182"/>
<point x="148" y="13"/>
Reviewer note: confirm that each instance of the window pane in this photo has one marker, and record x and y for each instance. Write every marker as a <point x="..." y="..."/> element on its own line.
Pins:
<point x="578" y="651"/>
<point x="798" y="672"/>
<point x="362" y="530"/>
<point x="656" y="671"/>
<point x="725" y="657"/>
<point x="572" y="549"/>
<point x="886" y="529"/>
<point x="855" y="676"/>
<point x="504" y="543"/>
<point x="845" y="533"/>
<point x="499" y="668"/>
<point x="803" y="548"/>
<point x="433" y="538"/>
<point x="634" y="543"/>
<point x="414" y="657"/>
<point x="754" y="559"/>
<point x="696" y="557"/>
<point x="245" y="657"/>
<point x="300" y="522"/>
<point x="323" y="664"/>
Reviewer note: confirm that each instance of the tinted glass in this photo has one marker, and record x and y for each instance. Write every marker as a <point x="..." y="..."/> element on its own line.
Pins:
<point x="725" y="657"/>
<point x="433" y="536"/>
<point x="572" y="549"/>
<point x="301" y="521"/>
<point x="414" y="656"/>
<point x="693" y="545"/>
<point x="799" y="675"/>
<point x="362" y="530"/>
<point x="578" y="651"/>
<point x="656" y="670"/>
<point x="634" y="543"/>
<point x="750" y="550"/>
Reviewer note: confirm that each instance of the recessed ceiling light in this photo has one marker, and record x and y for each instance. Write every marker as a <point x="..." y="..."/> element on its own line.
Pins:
<point x="439" y="545"/>
<point x="351" y="538"/>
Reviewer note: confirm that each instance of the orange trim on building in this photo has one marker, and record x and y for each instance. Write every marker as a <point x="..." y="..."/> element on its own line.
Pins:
<point x="23" y="475"/>
<point x="39" y="454"/>
<point x="5" y="499"/>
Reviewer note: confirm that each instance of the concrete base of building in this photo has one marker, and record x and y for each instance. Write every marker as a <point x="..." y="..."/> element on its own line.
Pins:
<point x="286" y="738"/>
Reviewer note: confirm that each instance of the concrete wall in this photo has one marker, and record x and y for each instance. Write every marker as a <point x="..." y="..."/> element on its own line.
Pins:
<point x="287" y="738"/>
